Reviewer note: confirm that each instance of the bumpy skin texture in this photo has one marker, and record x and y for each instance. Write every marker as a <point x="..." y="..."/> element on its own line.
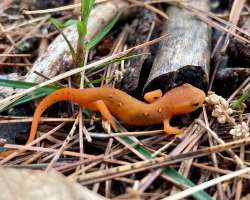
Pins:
<point x="113" y="102"/>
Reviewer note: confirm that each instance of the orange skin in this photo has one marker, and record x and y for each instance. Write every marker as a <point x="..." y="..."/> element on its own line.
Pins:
<point x="159" y="109"/>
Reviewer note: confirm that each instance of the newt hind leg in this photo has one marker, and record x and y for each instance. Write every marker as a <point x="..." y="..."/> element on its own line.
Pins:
<point x="170" y="130"/>
<point x="100" y="106"/>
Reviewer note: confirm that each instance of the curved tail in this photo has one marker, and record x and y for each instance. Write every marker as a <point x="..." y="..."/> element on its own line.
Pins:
<point x="66" y="94"/>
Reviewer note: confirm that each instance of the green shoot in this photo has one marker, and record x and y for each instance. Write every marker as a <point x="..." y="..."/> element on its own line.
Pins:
<point x="82" y="45"/>
<point x="241" y="100"/>
<point x="86" y="7"/>
<point x="103" y="33"/>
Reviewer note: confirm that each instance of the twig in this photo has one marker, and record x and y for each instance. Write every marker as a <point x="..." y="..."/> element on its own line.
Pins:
<point x="62" y="8"/>
<point x="220" y="141"/>
<point x="213" y="155"/>
<point x="124" y="134"/>
<point x="15" y="55"/>
<point x="151" y="8"/>
<point x="2" y="65"/>
<point x="207" y="184"/>
<point x="45" y="150"/>
<point x="66" y="141"/>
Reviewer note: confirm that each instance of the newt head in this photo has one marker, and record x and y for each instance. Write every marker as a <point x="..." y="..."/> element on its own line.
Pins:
<point x="185" y="99"/>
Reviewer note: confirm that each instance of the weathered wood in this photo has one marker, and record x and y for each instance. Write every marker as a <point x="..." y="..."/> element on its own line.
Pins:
<point x="185" y="55"/>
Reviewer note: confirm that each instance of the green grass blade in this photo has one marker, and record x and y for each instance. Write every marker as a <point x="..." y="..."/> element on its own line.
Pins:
<point x="25" y="85"/>
<point x="241" y="100"/>
<point x="27" y="98"/>
<point x="82" y="9"/>
<point x="86" y="7"/>
<point x="60" y="24"/>
<point x="40" y="92"/>
<point x="57" y="23"/>
<point x="103" y="33"/>
<point x="70" y="22"/>
<point x="82" y="29"/>
<point x="91" y="4"/>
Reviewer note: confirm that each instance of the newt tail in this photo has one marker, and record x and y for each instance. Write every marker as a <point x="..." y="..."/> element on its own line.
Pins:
<point x="66" y="94"/>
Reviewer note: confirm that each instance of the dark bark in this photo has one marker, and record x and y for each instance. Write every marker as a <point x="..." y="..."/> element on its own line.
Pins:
<point x="139" y="31"/>
<point x="227" y="80"/>
<point x="238" y="51"/>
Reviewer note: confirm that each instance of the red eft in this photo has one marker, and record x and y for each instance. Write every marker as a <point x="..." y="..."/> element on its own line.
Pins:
<point x="109" y="101"/>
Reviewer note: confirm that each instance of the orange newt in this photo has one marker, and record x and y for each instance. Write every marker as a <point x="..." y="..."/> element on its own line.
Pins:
<point x="109" y="101"/>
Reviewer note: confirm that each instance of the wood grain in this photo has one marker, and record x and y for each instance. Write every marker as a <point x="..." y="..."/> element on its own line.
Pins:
<point x="185" y="55"/>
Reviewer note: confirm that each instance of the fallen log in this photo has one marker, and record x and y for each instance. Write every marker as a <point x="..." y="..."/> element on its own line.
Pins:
<point x="185" y="55"/>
